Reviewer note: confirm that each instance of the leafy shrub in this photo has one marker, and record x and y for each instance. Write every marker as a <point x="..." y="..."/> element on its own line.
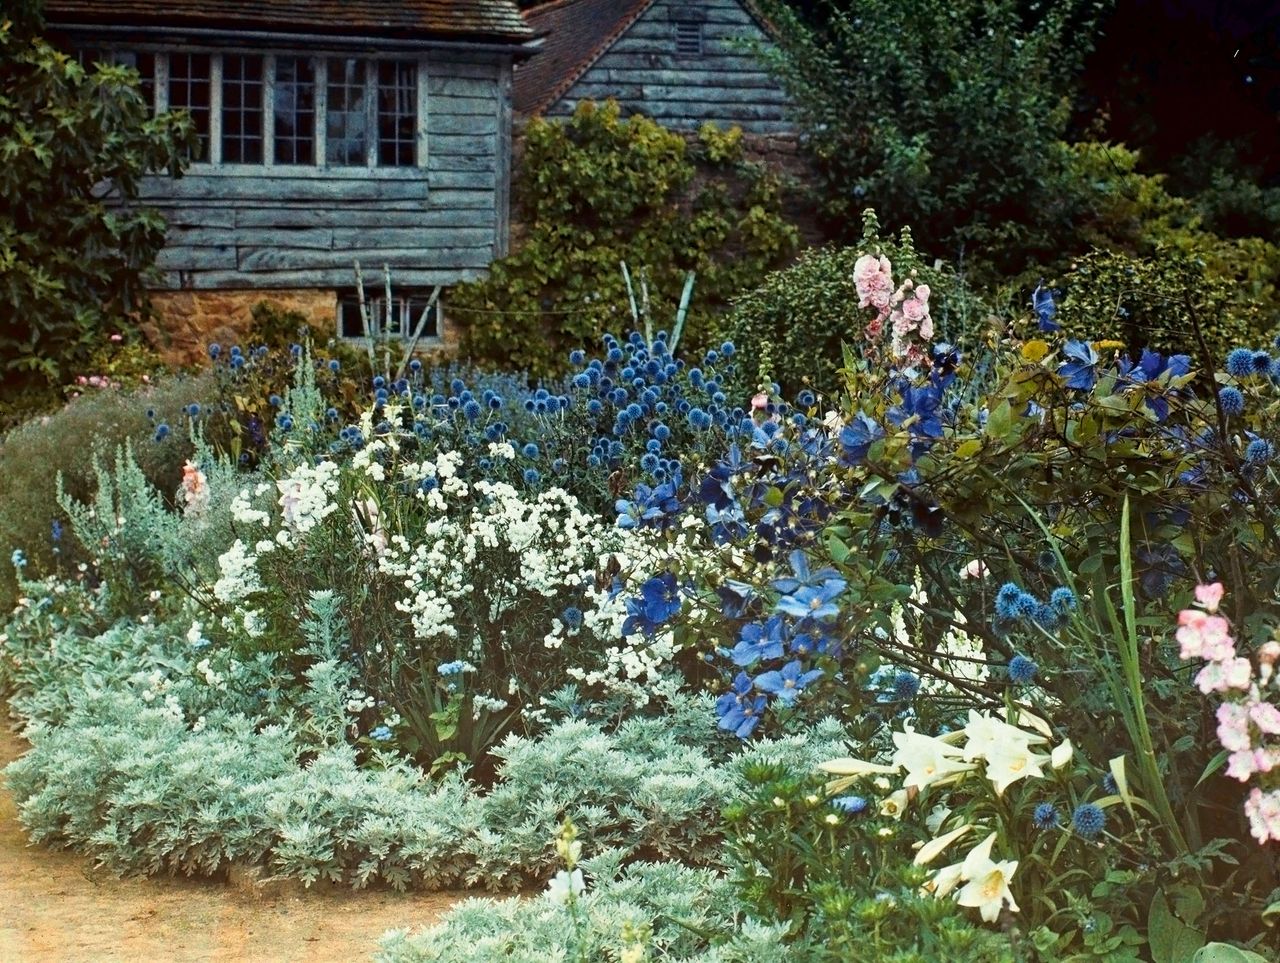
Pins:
<point x="597" y="191"/>
<point x="798" y="321"/>
<point x="943" y="115"/>
<point x="68" y="131"/>
<point x="65" y="442"/>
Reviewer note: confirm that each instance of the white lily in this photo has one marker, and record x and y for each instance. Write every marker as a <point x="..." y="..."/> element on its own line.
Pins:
<point x="1061" y="754"/>
<point x="1012" y="761"/>
<point x="932" y="849"/>
<point x="926" y="759"/>
<point x="944" y="880"/>
<point x="987" y="886"/>
<point x="986" y="734"/>
<point x="855" y="767"/>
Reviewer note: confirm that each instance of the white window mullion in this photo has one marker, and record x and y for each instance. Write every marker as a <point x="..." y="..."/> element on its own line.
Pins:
<point x="371" y="111"/>
<point x="422" y="112"/>
<point x="162" y="83"/>
<point x="215" y="108"/>
<point x="321" y="100"/>
<point x="269" y="110"/>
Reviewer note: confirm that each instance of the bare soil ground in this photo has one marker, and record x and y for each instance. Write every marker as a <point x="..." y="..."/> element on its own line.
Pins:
<point x="55" y="907"/>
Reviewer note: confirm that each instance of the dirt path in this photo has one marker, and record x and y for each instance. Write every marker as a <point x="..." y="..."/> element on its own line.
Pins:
<point x="55" y="908"/>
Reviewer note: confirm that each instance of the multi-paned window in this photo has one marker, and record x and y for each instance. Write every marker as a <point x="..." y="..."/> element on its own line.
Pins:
<point x="242" y="135"/>
<point x="143" y="63"/>
<point x="294" y="110"/>
<point x="268" y="109"/>
<point x="190" y="86"/>
<point x="347" y="117"/>
<point x="407" y="310"/>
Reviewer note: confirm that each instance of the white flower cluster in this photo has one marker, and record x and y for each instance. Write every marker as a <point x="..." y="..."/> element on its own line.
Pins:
<point x="306" y="495"/>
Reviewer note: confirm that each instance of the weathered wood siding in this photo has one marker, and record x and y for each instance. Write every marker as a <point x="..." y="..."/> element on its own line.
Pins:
<point x="280" y="227"/>
<point x="725" y="84"/>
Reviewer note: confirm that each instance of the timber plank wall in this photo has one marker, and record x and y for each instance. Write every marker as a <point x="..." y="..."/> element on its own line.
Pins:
<point x="288" y="227"/>
<point x="725" y="84"/>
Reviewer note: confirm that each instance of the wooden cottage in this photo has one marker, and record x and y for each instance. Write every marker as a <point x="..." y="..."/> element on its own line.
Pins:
<point x="331" y="131"/>
<point x="681" y="62"/>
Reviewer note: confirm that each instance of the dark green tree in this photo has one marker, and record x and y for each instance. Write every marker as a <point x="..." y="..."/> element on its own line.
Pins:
<point x="947" y="115"/>
<point x="74" y="245"/>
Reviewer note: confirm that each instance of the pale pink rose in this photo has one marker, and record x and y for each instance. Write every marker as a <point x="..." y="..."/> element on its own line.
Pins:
<point x="117" y="338"/>
<point x="1265" y="716"/>
<point x="1263" y="810"/>
<point x="1268" y="652"/>
<point x="1221" y="676"/>
<point x="866" y="269"/>
<point x="1209" y="596"/>
<point x="922" y="293"/>
<point x="915" y="310"/>
<point x="1233" y="727"/>
<point x="926" y="328"/>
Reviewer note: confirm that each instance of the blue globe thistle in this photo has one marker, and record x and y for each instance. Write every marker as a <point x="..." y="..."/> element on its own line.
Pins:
<point x="331" y="414"/>
<point x="1261" y="363"/>
<point x="577" y="356"/>
<point x="335" y="365"/>
<point x="1022" y="670"/>
<point x="471" y="410"/>
<point x="1047" y="617"/>
<point x="215" y="349"/>
<point x="151" y="414"/>
<point x="530" y="450"/>
<point x="379" y="381"/>
<point x="905" y="686"/>
<point x="1240" y="363"/>
<point x="1232" y="400"/>
<point x="661" y="432"/>
<point x="727" y="349"/>
<point x="1063" y="600"/>
<point x="1088" y="820"/>
<point x="806" y="399"/>
<point x="571" y="617"/>
<point x="1027" y="606"/>
<point x="1006" y="600"/>
<point x="1045" y="816"/>
<point x="162" y="431"/>
<point x="850" y="804"/>
<point x="275" y="401"/>
<point x="193" y="410"/>
<point x="531" y="476"/>
<point x="649" y="462"/>
<point x="1259" y="452"/>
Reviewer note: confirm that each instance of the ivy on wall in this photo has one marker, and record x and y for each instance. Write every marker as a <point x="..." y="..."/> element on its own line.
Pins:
<point x="600" y="190"/>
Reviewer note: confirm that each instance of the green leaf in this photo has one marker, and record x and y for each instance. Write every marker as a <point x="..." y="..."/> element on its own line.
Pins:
<point x="1225" y="953"/>
<point x="1000" y="421"/>
<point x="1172" y="941"/>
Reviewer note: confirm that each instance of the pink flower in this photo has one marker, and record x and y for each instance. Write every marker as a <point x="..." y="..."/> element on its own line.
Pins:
<point x="1204" y="636"/>
<point x="117" y="337"/>
<point x="1241" y="765"/>
<point x="759" y="401"/>
<point x="1221" y="676"/>
<point x="1263" y="810"/>
<point x="1265" y="716"/>
<point x="1208" y="596"/>
<point x="922" y="293"/>
<point x="915" y="310"/>
<point x="926" y="328"/>
<point x="1233" y="727"/>
<point x="975" y="569"/>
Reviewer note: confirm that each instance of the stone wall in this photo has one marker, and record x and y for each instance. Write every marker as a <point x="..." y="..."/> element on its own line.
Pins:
<point x="187" y="322"/>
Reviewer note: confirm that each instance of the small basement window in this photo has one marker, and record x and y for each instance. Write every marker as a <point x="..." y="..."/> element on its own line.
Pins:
<point x="406" y="312"/>
<point x="688" y="38"/>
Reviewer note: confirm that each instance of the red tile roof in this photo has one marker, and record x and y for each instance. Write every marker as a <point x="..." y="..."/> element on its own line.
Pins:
<point x="578" y="32"/>
<point x="492" y="20"/>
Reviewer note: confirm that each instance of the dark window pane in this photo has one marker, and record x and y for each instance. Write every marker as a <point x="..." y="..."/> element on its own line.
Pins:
<point x="295" y="111"/>
<point x="406" y="312"/>
<point x="241" y="109"/>
<point x="397" y="113"/>
<point x="189" y="91"/>
<point x="345" y="135"/>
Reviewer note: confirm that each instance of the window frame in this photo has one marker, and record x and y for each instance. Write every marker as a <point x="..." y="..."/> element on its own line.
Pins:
<point x="408" y="321"/>
<point x="212" y="162"/>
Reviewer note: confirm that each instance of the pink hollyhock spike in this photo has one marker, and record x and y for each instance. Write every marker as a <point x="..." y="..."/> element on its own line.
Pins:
<point x="1208" y="596"/>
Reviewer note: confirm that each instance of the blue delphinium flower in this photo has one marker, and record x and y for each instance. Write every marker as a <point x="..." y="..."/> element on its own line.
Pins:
<point x="905" y="686"/>
<point x="1022" y="670"/>
<point x="758" y="640"/>
<point x="659" y="600"/>
<point x="739" y="710"/>
<point x="1259" y="452"/>
<point x="1080" y="369"/>
<point x="55" y="530"/>
<point x="857" y="437"/>
<point x="787" y="682"/>
<point x="813" y="602"/>
<point x="1045" y="308"/>
<point x="1240" y="363"/>
<point x="1088" y="820"/>
<point x="853" y="805"/>
<point x="1045" y="816"/>
<point x="1232" y="401"/>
